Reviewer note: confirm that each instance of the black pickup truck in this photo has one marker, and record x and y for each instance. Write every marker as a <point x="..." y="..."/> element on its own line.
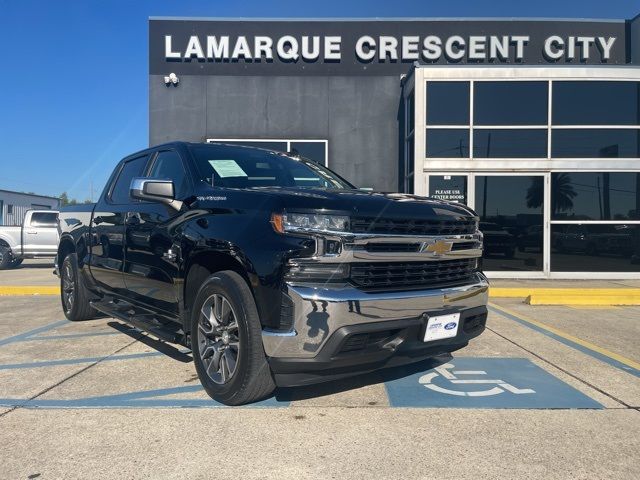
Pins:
<point x="272" y="269"/>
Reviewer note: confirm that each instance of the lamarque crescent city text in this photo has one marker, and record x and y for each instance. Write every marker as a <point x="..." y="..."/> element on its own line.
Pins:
<point x="385" y="48"/>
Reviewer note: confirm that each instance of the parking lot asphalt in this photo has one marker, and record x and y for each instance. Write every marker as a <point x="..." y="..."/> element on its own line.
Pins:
<point x="544" y="392"/>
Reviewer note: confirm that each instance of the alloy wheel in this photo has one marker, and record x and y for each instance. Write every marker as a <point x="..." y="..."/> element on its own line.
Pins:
<point x="218" y="342"/>
<point x="68" y="287"/>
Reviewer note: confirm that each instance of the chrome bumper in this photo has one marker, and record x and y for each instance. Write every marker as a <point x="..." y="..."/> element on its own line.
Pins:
<point x="319" y="312"/>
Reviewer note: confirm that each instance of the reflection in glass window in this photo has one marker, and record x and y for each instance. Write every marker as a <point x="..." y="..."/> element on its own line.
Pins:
<point x="595" y="248"/>
<point x="596" y="103"/>
<point x="595" y="143"/>
<point x="452" y="188"/>
<point x="278" y="146"/>
<point x="312" y="150"/>
<point x="510" y="103"/>
<point x="447" y="103"/>
<point x="595" y="196"/>
<point x="510" y="210"/>
<point x="448" y="142"/>
<point x="506" y="143"/>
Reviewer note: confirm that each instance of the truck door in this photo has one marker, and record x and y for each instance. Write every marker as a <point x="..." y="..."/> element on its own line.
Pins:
<point x="107" y="228"/>
<point x="40" y="234"/>
<point x="150" y="259"/>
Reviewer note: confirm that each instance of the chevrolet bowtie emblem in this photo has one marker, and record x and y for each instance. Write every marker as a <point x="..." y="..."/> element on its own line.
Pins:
<point x="437" y="248"/>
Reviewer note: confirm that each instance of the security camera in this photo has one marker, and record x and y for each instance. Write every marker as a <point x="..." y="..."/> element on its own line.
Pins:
<point x="171" y="79"/>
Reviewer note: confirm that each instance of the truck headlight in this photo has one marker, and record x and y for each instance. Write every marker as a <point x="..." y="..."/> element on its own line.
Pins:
<point x="309" y="222"/>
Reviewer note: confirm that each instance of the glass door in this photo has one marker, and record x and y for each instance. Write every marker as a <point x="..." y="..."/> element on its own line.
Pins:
<point x="513" y="214"/>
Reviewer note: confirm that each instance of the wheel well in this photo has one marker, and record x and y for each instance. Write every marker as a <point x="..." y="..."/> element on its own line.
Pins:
<point x="4" y="244"/>
<point x="203" y="265"/>
<point x="65" y="248"/>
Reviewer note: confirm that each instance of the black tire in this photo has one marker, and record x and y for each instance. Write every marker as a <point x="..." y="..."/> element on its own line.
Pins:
<point x="5" y="258"/>
<point x="74" y="295"/>
<point x="16" y="262"/>
<point x="251" y="379"/>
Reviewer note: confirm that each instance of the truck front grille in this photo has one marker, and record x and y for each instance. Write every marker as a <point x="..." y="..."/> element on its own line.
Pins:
<point x="412" y="226"/>
<point x="412" y="275"/>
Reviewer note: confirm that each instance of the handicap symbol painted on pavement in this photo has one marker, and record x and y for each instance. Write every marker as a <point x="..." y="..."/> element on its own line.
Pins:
<point x="446" y="372"/>
<point x="467" y="382"/>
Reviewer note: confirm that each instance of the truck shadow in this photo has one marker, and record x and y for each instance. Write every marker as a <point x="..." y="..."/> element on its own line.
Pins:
<point x="358" y="381"/>
<point x="288" y="394"/>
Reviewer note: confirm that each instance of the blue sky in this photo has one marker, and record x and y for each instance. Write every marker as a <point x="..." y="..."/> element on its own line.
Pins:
<point x="74" y="98"/>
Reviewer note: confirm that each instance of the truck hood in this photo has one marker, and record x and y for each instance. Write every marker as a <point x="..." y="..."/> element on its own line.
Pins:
<point x="348" y="202"/>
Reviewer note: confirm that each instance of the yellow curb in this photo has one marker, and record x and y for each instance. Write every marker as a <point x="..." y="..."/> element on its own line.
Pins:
<point x="518" y="292"/>
<point x="563" y="334"/>
<point x="29" y="290"/>
<point x="569" y="299"/>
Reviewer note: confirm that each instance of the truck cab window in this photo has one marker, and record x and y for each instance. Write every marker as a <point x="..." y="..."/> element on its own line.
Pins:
<point x="130" y="170"/>
<point x="168" y="166"/>
<point x="42" y="219"/>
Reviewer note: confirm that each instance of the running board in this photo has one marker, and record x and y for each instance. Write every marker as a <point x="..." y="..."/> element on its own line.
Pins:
<point x="141" y="319"/>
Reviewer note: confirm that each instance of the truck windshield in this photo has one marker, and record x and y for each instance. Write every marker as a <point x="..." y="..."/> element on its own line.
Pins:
<point x="242" y="167"/>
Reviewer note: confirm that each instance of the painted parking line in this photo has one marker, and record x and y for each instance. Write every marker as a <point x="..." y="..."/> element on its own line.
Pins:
<point x="70" y="335"/>
<point x="595" y="351"/>
<point x="35" y="331"/>
<point x="137" y="400"/>
<point x="503" y="383"/>
<point x="75" y="361"/>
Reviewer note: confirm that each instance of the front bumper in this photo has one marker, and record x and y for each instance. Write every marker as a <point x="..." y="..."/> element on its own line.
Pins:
<point x="341" y="331"/>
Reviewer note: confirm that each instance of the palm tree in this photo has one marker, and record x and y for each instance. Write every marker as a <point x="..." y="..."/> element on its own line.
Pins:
<point x="562" y="193"/>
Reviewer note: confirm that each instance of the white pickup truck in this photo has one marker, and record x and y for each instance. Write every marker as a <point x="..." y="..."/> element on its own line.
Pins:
<point x="37" y="237"/>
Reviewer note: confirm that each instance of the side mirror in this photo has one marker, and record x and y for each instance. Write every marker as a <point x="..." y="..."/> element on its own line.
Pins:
<point x="155" y="190"/>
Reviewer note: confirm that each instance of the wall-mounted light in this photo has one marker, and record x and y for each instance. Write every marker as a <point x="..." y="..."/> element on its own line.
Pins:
<point x="171" y="79"/>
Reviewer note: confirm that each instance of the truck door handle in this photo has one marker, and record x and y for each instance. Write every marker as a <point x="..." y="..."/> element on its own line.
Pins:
<point x="32" y="232"/>
<point x="133" y="218"/>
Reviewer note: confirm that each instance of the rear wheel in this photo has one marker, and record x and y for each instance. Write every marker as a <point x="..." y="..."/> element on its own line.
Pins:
<point x="226" y="340"/>
<point x="5" y="258"/>
<point x="73" y="292"/>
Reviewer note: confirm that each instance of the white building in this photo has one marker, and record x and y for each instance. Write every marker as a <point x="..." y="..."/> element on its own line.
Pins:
<point x="13" y="205"/>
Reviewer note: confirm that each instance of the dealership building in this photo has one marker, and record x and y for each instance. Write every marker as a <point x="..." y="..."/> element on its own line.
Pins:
<point x="535" y="124"/>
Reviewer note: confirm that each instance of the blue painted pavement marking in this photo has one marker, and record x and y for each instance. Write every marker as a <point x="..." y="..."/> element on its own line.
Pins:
<point x="466" y="382"/>
<point x="603" y="358"/>
<point x="143" y="399"/>
<point x="35" y="331"/>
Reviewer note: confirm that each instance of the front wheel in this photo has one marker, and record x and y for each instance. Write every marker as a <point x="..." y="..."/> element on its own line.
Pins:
<point x="16" y="262"/>
<point x="74" y="294"/>
<point x="226" y="340"/>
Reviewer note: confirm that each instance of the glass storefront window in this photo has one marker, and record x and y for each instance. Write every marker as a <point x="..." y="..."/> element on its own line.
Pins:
<point x="447" y="142"/>
<point x="595" y="196"/>
<point x="452" y="188"/>
<point x="595" y="248"/>
<point x="448" y="103"/>
<point x="596" y="103"/>
<point x="315" y="151"/>
<point x="506" y="143"/>
<point x="595" y="143"/>
<point x="510" y="103"/>
<point x="511" y="219"/>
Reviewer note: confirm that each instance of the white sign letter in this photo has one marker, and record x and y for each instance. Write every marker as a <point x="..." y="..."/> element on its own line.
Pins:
<point x="410" y="48"/>
<point x="168" y="51"/>
<point x="432" y="47"/>
<point x="194" y="48"/>
<point x="606" y="46"/>
<point x="332" y="48"/>
<point x="554" y="47"/>
<point x="452" y="54"/>
<point x="310" y="52"/>
<point x="263" y="46"/>
<point x="285" y="53"/>
<point x="370" y="43"/>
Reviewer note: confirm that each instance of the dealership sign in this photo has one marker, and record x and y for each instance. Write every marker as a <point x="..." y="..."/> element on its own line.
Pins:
<point x="376" y="47"/>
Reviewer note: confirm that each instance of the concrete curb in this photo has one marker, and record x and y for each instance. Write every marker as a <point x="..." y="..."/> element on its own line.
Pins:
<point x="15" y="290"/>
<point x="571" y="296"/>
